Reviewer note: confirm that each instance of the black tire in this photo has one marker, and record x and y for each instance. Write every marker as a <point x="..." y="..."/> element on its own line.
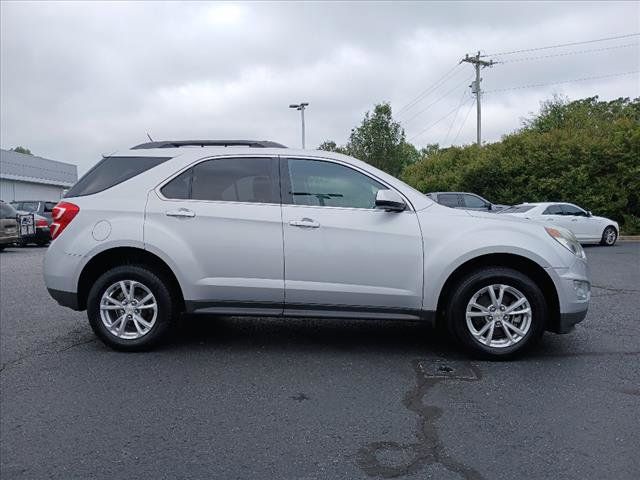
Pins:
<point x="609" y="236"/>
<point x="474" y="282"/>
<point x="165" y="300"/>
<point x="42" y="244"/>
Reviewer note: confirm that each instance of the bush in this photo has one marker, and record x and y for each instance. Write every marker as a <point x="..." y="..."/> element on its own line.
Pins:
<point x="585" y="152"/>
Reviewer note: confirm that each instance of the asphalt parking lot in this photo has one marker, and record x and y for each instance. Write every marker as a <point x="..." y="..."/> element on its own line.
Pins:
<point x="299" y="399"/>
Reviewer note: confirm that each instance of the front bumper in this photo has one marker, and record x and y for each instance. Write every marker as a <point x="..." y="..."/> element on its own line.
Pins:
<point x="569" y="320"/>
<point x="574" y="294"/>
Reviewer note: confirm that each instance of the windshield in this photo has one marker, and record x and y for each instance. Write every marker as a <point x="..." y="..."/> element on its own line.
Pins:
<point x="29" y="206"/>
<point x="517" y="209"/>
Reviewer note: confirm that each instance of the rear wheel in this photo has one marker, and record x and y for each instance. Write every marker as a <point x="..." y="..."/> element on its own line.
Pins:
<point x="609" y="236"/>
<point x="497" y="312"/>
<point x="130" y="307"/>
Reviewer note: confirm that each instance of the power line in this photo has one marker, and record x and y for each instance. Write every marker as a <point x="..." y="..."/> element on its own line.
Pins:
<point x="525" y="59"/>
<point x="533" y="85"/>
<point x="428" y="90"/>
<point x="436" y="122"/>
<point x="463" y="124"/>
<point x="464" y="93"/>
<point x="571" y="44"/>
<point x="438" y="100"/>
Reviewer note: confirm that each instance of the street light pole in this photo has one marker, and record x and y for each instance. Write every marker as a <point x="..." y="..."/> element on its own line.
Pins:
<point x="301" y="107"/>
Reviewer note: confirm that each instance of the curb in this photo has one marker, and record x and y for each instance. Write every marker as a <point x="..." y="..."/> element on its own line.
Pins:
<point x="629" y="238"/>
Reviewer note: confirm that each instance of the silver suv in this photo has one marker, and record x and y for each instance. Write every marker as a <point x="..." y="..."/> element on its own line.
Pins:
<point x="255" y="228"/>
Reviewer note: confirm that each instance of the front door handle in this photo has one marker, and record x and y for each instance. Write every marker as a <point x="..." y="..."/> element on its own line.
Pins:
<point x="181" y="212"/>
<point x="305" y="222"/>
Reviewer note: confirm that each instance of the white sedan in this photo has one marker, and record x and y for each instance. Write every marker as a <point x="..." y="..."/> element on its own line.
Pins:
<point x="586" y="227"/>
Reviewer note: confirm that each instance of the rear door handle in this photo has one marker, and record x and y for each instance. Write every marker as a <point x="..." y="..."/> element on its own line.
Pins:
<point x="181" y="212"/>
<point x="305" y="222"/>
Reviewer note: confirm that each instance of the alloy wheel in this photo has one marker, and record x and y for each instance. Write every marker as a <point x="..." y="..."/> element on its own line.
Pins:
<point x="128" y="309"/>
<point x="610" y="236"/>
<point x="498" y="316"/>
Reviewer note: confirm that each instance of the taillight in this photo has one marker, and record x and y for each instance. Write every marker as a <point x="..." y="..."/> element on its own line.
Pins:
<point x="62" y="215"/>
<point x="42" y="223"/>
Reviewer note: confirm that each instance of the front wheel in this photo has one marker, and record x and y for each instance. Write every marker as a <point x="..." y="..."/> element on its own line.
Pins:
<point x="497" y="312"/>
<point x="609" y="236"/>
<point x="130" y="307"/>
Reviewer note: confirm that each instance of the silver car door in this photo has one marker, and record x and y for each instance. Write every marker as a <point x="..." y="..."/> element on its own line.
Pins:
<point x="342" y="254"/>
<point x="220" y="220"/>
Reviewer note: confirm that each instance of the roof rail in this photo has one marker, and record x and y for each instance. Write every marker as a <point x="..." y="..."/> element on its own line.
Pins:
<point x="208" y="143"/>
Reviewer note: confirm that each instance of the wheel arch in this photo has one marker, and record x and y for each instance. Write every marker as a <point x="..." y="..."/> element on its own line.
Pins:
<point x="517" y="262"/>
<point x="119" y="256"/>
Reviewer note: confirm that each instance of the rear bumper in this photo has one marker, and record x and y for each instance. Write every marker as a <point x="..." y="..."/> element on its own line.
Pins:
<point x="41" y="235"/>
<point x="66" y="299"/>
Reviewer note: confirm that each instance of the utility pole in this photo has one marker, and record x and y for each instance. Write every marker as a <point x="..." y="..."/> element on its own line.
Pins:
<point x="475" y="88"/>
<point x="301" y="107"/>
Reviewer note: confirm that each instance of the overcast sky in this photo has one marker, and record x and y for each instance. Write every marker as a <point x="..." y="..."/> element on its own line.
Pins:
<point x="82" y="79"/>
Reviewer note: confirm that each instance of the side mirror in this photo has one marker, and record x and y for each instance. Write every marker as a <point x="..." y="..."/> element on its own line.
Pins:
<point x="390" y="201"/>
<point x="589" y="214"/>
<point x="489" y="207"/>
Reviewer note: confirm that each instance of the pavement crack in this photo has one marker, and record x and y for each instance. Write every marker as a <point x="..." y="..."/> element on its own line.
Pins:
<point x="39" y="353"/>
<point x="392" y="459"/>
<point x="615" y="291"/>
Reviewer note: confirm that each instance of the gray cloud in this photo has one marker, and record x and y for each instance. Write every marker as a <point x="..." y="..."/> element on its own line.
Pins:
<point x="81" y="79"/>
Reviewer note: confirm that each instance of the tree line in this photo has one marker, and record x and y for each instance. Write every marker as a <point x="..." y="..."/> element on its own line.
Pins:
<point x="584" y="151"/>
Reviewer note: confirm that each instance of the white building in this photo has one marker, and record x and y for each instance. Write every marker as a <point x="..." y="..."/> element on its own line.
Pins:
<point x="27" y="177"/>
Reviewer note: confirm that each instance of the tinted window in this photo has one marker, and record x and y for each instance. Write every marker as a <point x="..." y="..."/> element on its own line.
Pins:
<point x="553" y="210"/>
<point x="111" y="171"/>
<point x="571" y="210"/>
<point x="472" y="201"/>
<point x="448" y="199"/>
<point x="180" y="187"/>
<point x="228" y="179"/>
<point x="318" y="183"/>
<point x="517" y="209"/>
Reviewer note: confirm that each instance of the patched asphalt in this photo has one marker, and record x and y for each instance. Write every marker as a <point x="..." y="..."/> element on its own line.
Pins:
<point x="316" y="399"/>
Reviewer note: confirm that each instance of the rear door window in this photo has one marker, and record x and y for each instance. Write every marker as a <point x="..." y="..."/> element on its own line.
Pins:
<point x="251" y="180"/>
<point x="111" y="171"/>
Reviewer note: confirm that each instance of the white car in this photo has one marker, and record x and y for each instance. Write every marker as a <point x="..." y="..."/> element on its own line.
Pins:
<point x="586" y="227"/>
<point x="254" y="228"/>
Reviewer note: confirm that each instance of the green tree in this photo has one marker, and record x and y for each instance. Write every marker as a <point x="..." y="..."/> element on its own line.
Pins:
<point x="380" y="141"/>
<point x="24" y="150"/>
<point x="330" y="146"/>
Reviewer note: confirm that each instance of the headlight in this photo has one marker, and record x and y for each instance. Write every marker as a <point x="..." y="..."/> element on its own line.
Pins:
<point x="567" y="239"/>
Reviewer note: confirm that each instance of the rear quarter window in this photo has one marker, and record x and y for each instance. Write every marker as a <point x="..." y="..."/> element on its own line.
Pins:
<point x="111" y="171"/>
